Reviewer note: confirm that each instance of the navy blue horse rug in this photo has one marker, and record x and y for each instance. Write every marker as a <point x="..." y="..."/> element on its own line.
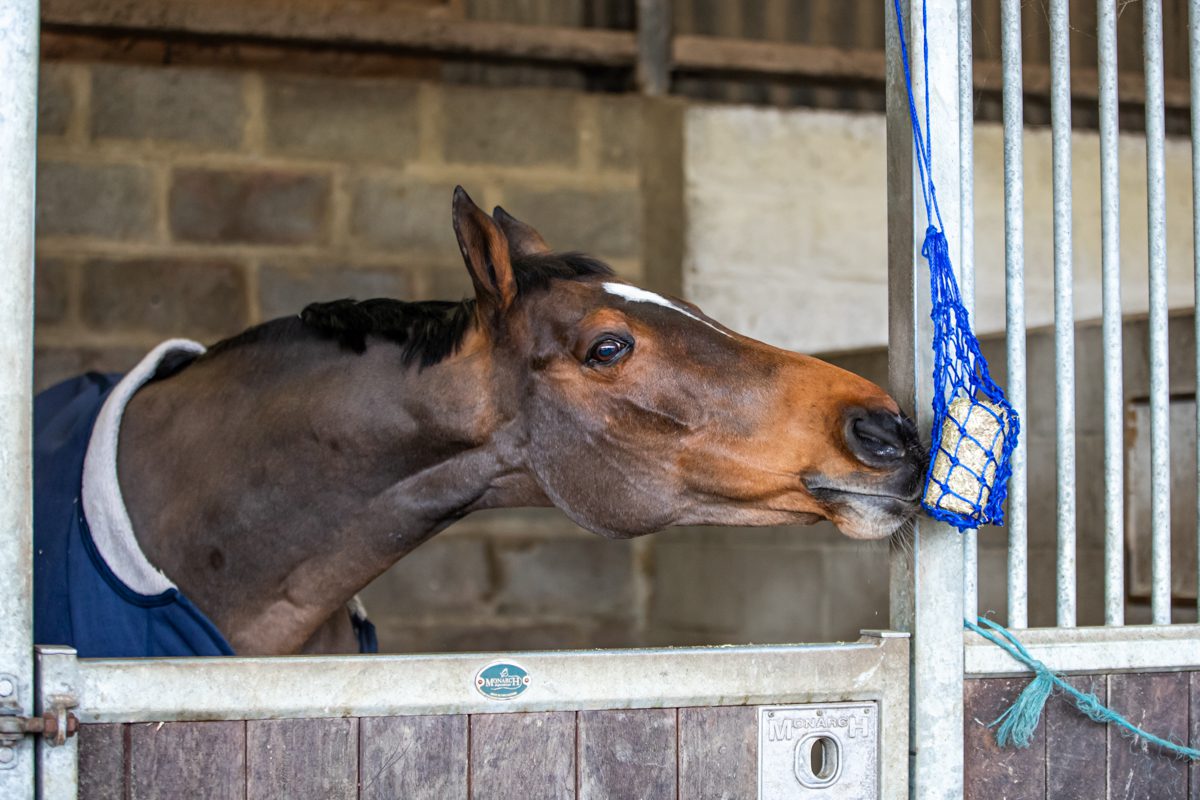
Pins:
<point x="94" y="588"/>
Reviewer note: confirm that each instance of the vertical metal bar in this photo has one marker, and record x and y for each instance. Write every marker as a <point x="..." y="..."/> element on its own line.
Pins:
<point x="654" y="46"/>
<point x="1156" y="233"/>
<point x="1194" y="61"/>
<point x="18" y="121"/>
<point x="58" y="686"/>
<point x="1110" y="261"/>
<point x="1064" y="307"/>
<point x="966" y="258"/>
<point x="1014" y="294"/>
<point x="927" y="583"/>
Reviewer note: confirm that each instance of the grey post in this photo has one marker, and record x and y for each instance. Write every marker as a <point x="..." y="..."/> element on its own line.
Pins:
<point x="1064" y="307"/>
<point x="1110" y="260"/>
<point x="1194" y="60"/>
<point x="58" y="696"/>
<point x="1156" y="234"/>
<point x="966" y="257"/>
<point x="1014" y="296"/>
<point x="18" y="129"/>
<point x="926" y="584"/>
<point x="654" y="46"/>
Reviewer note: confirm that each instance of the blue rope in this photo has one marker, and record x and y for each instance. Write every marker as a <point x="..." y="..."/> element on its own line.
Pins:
<point x="1018" y="723"/>
<point x="975" y="486"/>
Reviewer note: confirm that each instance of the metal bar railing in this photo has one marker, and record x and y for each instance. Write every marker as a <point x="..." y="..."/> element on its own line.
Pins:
<point x="1014" y="293"/>
<point x="1194" y="59"/>
<point x="18" y="136"/>
<point x="966" y="258"/>
<point x="1156" y="234"/>
<point x="1110" y="260"/>
<point x="1064" y="308"/>
<point x="926" y="582"/>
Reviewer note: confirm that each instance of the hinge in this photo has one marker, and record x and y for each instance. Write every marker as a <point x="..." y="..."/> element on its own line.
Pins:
<point x="56" y="724"/>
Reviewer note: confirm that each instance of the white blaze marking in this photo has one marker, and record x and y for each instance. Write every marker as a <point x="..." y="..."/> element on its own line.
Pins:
<point x="635" y="295"/>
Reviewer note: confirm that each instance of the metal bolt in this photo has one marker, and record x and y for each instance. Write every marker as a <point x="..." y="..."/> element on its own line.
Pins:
<point x="7" y="755"/>
<point x="6" y="687"/>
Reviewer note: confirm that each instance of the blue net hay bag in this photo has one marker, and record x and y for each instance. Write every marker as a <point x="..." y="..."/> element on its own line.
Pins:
<point x="975" y="428"/>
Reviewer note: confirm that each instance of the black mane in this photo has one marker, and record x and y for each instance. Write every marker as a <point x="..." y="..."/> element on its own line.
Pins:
<point x="427" y="332"/>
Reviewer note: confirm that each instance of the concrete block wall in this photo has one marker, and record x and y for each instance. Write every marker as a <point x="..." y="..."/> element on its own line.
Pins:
<point x="787" y="224"/>
<point x="196" y="202"/>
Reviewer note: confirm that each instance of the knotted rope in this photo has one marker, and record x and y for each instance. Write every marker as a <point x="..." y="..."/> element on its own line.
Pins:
<point x="1018" y="723"/>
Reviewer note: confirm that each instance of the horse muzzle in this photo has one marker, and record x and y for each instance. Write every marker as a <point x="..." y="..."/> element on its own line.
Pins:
<point x="885" y="492"/>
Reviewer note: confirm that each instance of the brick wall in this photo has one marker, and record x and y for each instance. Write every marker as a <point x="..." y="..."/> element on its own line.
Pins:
<point x="195" y="202"/>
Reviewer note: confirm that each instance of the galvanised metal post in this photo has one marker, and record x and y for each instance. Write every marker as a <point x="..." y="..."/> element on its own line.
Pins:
<point x="1156" y="234"/>
<point x="927" y="579"/>
<point x="1014" y="305"/>
<point x="1110" y="260"/>
<point x="966" y="252"/>
<point x="1064" y="308"/>
<point x="18" y="136"/>
<point x="1194" y="57"/>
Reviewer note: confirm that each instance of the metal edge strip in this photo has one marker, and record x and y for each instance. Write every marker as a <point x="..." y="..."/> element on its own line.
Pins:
<point x="1166" y="648"/>
<point x="144" y="690"/>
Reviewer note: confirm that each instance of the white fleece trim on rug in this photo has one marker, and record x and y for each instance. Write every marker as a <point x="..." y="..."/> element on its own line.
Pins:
<point x="103" y="505"/>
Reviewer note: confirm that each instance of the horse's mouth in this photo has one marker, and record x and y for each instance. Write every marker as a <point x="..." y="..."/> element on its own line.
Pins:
<point x="831" y="494"/>
<point x="865" y="514"/>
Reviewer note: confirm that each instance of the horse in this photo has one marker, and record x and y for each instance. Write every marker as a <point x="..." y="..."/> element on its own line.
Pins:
<point x="272" y="476"/>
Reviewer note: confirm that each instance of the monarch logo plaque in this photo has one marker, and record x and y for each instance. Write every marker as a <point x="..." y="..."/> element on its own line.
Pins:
<point x="502" y="680"/>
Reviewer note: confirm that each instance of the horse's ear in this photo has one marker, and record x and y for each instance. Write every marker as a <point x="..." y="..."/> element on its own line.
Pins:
<point x="523" y="240"/>
<point x="485" y="251"/>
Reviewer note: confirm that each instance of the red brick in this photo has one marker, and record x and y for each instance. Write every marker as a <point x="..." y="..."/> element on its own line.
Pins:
<point x="618" y="131"/>
<point x="515" y="127"/>
<point x="285" y="290"/>
<point x="340" y="119"/>
<point x="52" y="286"/>
<point x="411" y="215"/>
<point x="605" y="223"/>
<point x="166" y="296"/>
<point x="56" y="100"/>
<point x="196" y="106"/>
<point x="108" y="201"/>
<point x="253" y="207"/>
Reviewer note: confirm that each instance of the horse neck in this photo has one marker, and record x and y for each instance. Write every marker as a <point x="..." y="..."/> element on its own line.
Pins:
<point x="272" y="482"/>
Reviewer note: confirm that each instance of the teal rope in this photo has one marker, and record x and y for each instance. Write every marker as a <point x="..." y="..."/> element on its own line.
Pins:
<point x="1018" y="723"/>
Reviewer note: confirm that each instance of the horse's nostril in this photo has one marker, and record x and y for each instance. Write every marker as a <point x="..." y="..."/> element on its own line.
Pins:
<point x="877" y="437"/>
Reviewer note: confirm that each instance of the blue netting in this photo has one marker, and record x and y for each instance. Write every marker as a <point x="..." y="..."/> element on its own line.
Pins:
<point x="975" y="428"/>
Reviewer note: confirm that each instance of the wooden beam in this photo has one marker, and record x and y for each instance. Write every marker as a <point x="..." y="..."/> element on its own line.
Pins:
<point x="756" y="57"/>
<point x="371" y="25"/>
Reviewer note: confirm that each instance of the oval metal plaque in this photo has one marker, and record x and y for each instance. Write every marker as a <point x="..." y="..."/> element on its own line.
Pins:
<point x="501" y="680"/>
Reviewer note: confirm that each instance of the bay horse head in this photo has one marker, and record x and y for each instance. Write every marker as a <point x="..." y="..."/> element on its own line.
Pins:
<point x="635" y="411"/>
<point x="281" y="471"/>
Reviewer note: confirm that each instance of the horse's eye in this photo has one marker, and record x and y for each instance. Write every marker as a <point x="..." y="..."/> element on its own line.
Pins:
<point x="607" y="350"/>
